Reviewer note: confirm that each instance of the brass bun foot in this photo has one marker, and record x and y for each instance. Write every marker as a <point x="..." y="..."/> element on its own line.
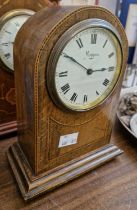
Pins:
<point x="32" y="186"/>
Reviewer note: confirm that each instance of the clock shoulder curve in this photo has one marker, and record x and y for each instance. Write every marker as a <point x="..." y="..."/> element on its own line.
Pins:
<point x="39" y="35"/>
<point x="48" y="25"/>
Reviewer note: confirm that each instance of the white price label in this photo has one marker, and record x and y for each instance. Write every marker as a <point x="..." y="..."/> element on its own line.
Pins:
<point x="68" y="140"/>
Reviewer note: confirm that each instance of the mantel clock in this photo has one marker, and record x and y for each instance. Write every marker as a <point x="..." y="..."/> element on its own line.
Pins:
<point x="72" y="61"/>
<point x="12" y="16"/>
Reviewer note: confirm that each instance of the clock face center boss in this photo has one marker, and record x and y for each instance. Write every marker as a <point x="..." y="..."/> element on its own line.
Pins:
<point x="72" y="61"/>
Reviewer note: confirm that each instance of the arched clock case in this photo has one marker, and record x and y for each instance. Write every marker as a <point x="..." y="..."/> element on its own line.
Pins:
<point x="72" y="62"/>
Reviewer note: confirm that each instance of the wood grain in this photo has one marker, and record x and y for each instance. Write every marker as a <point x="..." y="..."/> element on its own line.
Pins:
<point x="7" y="87"/>
<point x="112" y="186"/>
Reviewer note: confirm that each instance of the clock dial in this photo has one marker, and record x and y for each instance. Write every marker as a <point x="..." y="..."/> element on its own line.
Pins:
<point x="87" y="68"/>
<point x="8" y="33"/>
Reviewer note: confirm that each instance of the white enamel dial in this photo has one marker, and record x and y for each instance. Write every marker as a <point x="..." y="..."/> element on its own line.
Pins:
<point x="87" y="68"/>
<point x="8" y="33"/>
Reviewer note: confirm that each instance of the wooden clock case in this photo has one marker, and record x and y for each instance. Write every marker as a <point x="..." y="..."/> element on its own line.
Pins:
<point x="7" y="89"/>
<point x="37" y="162"/>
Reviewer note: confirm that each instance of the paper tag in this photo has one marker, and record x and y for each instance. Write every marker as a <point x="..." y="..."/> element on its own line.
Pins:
<point x="68" y="140"/>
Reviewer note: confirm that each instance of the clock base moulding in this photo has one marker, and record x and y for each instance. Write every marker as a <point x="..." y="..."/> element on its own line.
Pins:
<point x="34" y="185"/>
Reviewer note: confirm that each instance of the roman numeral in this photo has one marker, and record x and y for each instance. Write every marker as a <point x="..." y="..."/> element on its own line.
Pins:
<point x="8" y="32"/>
<point x="74" y="97"/>
<point x="5" y="44"/>
<point x="65" y="88"/>
<point x="105" y="43"/>
<point x="111" y="68"/>
<point x="106" y="82"/>
<point x="7" y="55"/>
<point x="85" y="98"/>
<point x="111" y="54"/>
<point x="97" y="93"/>
<point x="63" y="74"/>
<point x="79" y="42"/>
<point x="17" y="24"/>
<point x="93" y="38"/>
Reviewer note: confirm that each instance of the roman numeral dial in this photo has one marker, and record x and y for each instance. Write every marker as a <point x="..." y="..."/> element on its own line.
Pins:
<point x="63" y="74"/>
<point x="85" y="99"/>
<point x="87" y="68"/>
<point x="105" y="43"/>
<point x="111" y="55"/>
<point x="106" y="82"/>
<point x="79" y="42"/>
<point x="65" y="88"/>
<point x="74" y="97"/>
<point x="93" y="38"/>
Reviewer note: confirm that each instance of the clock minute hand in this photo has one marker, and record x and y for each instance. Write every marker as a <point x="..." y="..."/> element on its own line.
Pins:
<point x="73" y="59"/>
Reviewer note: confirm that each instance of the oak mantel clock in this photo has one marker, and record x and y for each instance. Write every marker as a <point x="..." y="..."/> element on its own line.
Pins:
<point x="72" y="63"/>
<point x="12" y="16"/>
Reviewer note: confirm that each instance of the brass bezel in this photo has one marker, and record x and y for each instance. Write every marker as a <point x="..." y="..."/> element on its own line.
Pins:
<point x="59" y="46"/>
<point x="9" y="15"/>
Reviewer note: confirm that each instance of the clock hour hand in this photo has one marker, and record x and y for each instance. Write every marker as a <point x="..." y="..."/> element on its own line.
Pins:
<point x="112" y="68"/>
<point x="11" y="42"/>
<point x="73" y="59"/>
<point x="103" y="69"/>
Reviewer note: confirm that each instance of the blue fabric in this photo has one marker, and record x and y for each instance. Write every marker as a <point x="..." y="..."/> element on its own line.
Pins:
<point x="124" y="10"/>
